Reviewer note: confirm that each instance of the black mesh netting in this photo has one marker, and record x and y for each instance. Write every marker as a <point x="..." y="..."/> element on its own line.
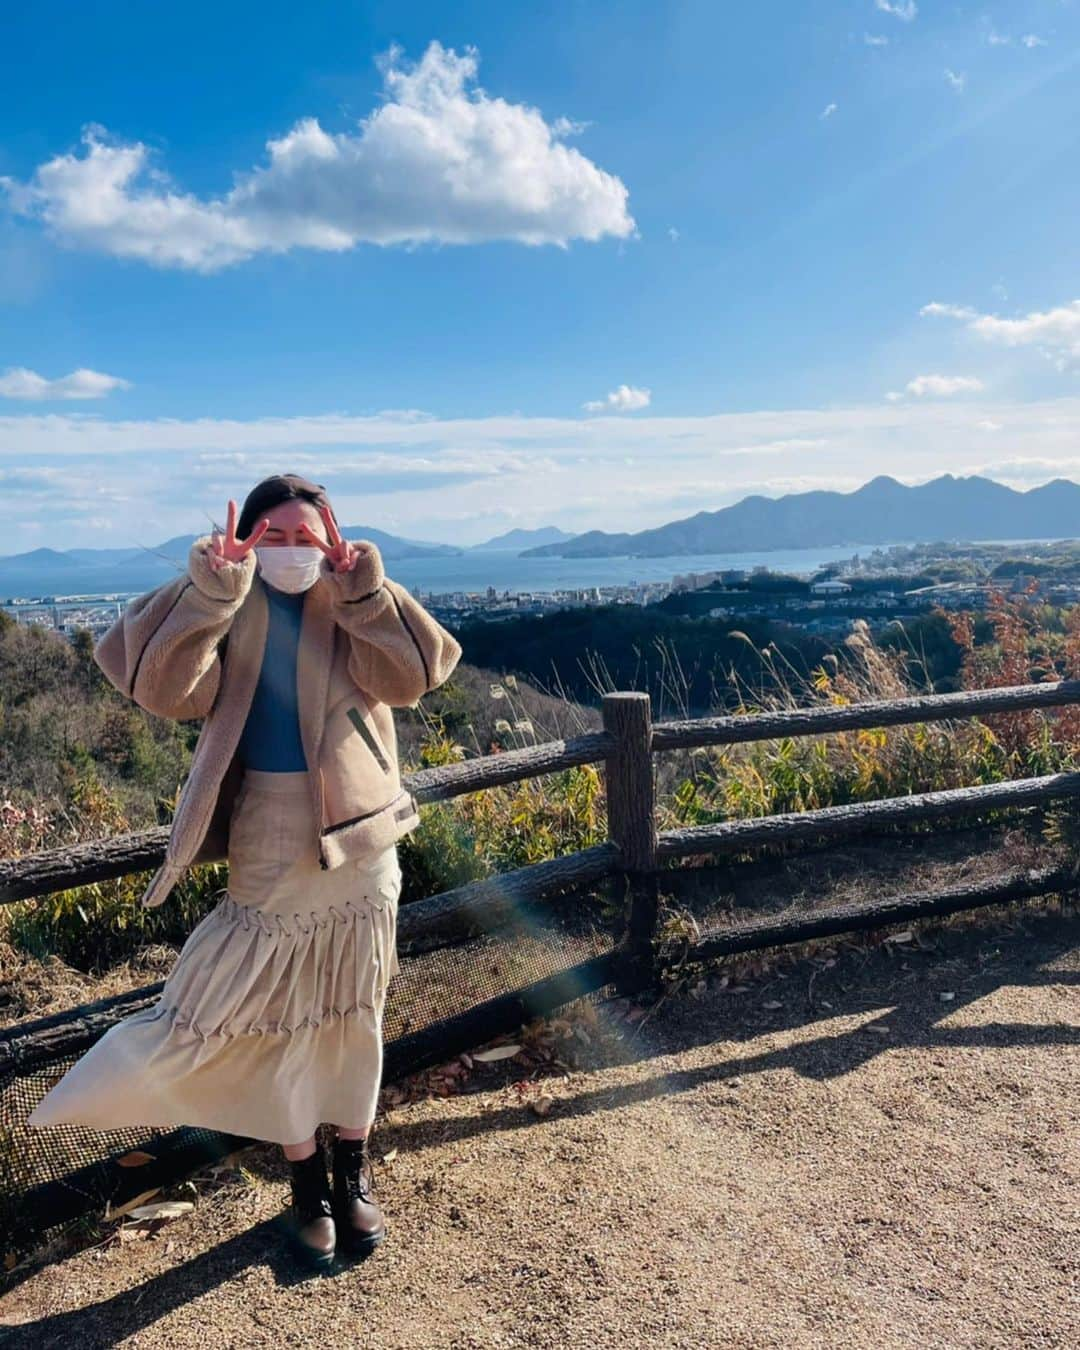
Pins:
<point x="52" y="1177"/>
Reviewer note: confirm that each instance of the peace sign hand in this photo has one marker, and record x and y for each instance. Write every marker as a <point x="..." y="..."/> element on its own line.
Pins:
<point x="227" y="548"/>
<point x="341" y="552"/>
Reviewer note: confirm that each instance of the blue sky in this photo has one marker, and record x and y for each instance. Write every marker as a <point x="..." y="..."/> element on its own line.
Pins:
<point x="488" y="265"/>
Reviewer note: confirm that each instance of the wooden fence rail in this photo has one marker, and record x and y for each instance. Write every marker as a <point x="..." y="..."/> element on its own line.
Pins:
<point x="843" y="822"/>
<point x="768" y="726"/>
<point x="52" y="870"/>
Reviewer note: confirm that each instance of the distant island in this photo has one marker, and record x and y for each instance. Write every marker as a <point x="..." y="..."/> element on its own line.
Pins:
<point x="880" y="512"/>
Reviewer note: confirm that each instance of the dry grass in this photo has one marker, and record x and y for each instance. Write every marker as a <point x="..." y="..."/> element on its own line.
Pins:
<point x="31" y="988"/>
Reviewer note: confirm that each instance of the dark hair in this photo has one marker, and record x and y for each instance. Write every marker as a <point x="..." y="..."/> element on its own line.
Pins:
<point x="272" y="491"/>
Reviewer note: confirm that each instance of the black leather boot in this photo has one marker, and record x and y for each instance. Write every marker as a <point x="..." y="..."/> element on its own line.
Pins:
<point x="360" y="1223"/>
<point x="310" y="1223"/>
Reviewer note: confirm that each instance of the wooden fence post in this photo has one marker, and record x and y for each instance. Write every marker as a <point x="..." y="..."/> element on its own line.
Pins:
<point x="631" y="808"/>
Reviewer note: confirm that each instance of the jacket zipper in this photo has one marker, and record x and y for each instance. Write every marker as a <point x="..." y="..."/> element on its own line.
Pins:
<point x="353" y="819"/>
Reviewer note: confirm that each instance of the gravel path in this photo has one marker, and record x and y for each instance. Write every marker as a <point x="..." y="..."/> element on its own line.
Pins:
<point x="884" y="1150"/>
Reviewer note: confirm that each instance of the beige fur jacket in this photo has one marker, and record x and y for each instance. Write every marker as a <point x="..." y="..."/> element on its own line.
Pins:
<point x="193" y="648"/>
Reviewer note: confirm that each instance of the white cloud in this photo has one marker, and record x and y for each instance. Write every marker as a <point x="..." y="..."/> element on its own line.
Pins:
<point x="899" y="9"/>
<point x="428" y="477"/>
<point x="438" y="161"/>
<point x="936" y="309"/>
<point x="1029" y="40"/>
<point x="943" y="386"/>
<point x="1024" y="471"/>
<point x="875" y="40"/>
<point x="626" y="398"/>
<point x="956" y="80"/>
<point x="827" y="111"/>
<point x="673" y="234"/>
<point x="1055" y="332"/>
<point x="563" y="126"/>
<point x="18" y="382"/>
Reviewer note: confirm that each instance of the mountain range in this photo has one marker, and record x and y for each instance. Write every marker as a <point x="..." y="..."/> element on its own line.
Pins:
<point x="880" y="512"/>
<point x="87" y="571"/>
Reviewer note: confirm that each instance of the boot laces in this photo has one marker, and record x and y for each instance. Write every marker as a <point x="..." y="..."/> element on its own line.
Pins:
<point x="355" y="1170"/>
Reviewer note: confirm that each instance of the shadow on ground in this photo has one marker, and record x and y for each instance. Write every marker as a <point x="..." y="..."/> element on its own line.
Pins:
<point x="905" y="986"/>
<point x="901" y="994"/>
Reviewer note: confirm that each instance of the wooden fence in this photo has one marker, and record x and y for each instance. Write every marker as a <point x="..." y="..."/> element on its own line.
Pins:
<point x="634" y="851"/>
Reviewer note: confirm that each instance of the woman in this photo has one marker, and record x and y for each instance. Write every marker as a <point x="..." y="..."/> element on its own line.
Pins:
<point x="294" y="646"/>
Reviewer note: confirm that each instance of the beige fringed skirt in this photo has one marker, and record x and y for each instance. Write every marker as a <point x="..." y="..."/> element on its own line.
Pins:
<point x="270" y="1021"/>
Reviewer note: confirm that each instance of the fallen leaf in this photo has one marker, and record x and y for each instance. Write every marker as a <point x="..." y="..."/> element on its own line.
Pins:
<point x="137" y="1158"/>
<point x="542" y="1106"/>
<point x="906" y="936"/>
<point x="947" y="997"/>
<point x="131" y="1204"/>
<point x="389" y="1157"/>
<point x="772" y="1005"/>
<point x="163" y="1209"/>
<point x="878" y="1031"/>
<point x="495" y="1053"/>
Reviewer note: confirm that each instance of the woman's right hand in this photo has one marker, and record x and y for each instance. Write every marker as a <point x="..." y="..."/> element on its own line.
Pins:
<point x="226" y="547"/>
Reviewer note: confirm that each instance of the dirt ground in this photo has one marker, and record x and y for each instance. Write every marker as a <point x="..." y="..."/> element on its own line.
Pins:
<point x="876" y="1147"/>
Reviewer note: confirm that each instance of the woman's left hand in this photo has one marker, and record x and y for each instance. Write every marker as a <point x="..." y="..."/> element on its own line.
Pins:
<point x="341" y="552"/>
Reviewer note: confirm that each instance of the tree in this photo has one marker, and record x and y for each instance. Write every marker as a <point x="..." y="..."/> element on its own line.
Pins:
<point x="90" y="675"/>
<point x="33" y="661"/>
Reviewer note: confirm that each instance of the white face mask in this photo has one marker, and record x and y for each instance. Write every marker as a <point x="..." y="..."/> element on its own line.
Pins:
<point x="289" y="567"/>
